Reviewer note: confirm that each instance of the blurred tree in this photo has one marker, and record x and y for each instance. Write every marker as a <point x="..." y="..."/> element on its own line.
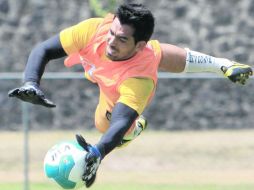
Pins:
<point x="100" y="8"/>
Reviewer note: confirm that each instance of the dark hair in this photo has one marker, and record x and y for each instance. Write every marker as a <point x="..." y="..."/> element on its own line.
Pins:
<point x="138" y="17"/>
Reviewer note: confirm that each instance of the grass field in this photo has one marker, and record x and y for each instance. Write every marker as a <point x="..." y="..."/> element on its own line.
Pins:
<point x="206" y="160"/>
<point x="116" y="186"/>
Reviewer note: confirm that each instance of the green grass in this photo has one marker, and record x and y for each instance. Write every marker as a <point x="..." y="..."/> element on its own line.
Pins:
<point x="116" y="186"/>
<point x="191" y="160"/>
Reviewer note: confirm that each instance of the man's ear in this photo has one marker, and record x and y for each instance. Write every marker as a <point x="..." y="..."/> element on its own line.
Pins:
<point x="140" y="45"/>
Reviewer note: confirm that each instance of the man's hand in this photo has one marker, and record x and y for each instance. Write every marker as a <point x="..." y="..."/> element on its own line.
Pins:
<point x="92" y="161"/>
<point x="30" y="92"/>
<point x="237" y="73"/>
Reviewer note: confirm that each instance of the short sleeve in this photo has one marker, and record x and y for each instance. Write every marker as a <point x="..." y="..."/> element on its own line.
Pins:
<point x="75" y="38"/>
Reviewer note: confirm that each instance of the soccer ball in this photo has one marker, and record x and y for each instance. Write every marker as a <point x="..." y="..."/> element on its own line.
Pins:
<point x="64" y="163"/>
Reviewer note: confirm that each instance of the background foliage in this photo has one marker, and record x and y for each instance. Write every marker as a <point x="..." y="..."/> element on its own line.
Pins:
<point x="207" y="26"/>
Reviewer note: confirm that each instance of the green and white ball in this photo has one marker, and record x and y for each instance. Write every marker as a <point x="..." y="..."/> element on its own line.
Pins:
<point x="64" y="163"/>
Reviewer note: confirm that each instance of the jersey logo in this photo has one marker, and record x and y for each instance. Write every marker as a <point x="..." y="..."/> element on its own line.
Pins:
<point x="88" y="66"/>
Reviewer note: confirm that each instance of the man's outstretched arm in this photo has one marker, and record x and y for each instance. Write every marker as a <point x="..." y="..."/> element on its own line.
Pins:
<point x="175" y="59"/>
<point x="38" y="58"/>
<point x="122" y="118"/>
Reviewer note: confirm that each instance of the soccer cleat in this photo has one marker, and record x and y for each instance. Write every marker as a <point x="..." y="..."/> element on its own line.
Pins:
<point x="141" y="125"/>
<point x="237" y="73"/>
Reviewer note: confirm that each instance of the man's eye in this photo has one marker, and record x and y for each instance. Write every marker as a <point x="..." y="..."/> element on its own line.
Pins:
<point x="123" y="40"/>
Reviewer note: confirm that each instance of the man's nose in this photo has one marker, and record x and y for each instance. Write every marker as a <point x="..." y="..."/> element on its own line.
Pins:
<point x="112" y="40"/>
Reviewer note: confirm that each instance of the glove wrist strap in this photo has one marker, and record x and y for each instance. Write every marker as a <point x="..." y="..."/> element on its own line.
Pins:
<point x="95" y="151"/>
<point x="101" y="149"/>
<point x="32" y="83"/>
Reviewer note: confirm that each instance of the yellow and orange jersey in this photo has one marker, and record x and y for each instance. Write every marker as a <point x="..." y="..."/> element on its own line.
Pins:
<point x="134" y="91"/>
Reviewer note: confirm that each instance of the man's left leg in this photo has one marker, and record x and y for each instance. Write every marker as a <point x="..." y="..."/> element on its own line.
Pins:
<point x="137" y="127"/>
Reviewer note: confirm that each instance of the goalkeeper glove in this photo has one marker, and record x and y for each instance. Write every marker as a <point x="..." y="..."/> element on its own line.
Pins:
<point x="237" y="73"/>
<point x="92" y="161"/>
<point x="31" y="92"/>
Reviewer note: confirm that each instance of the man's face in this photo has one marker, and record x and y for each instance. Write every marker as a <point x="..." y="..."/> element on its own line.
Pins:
<point x="120" y="42"/>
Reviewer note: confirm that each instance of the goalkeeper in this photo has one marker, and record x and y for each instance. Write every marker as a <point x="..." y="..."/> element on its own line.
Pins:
<point x="118" y="55"/>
